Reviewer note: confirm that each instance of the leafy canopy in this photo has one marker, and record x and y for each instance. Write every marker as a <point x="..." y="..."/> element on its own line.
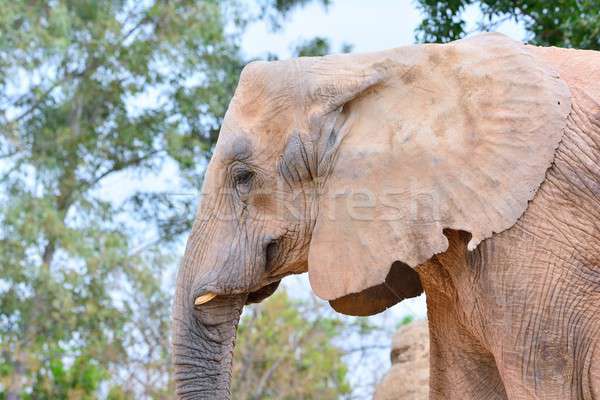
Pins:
<point x="565" y="23"/>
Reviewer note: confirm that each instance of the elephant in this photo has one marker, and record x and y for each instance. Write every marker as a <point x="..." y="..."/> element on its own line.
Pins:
<point x="468" y="170"/>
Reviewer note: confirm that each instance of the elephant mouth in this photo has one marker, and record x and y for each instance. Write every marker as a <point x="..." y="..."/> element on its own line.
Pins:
<point x="255" y="296"/>
<point x="271" y="256"/>
<point x="262" y="293"/>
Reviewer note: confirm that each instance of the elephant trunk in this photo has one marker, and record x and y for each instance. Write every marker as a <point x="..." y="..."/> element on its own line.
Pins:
<point x="203" y="342"/>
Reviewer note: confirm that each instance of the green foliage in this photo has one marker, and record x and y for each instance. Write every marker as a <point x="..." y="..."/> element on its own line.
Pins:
<point x="317" y="46"/>
<point x="406" y="320"/>
<point x="566" y="23"/>
<point x="79" y="381"/>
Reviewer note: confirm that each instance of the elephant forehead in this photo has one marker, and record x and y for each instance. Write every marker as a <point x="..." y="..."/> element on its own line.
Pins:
<point x="267" y="91"/>
<point x="245" y="135"/>
<point x="235" y="146"/>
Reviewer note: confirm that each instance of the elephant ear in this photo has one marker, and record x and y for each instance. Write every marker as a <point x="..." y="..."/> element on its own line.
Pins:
<point x="455" y="136"/>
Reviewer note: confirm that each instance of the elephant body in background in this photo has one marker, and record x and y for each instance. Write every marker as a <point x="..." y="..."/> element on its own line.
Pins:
<point x="469" y="170"/>
<point x="408" y="378"/>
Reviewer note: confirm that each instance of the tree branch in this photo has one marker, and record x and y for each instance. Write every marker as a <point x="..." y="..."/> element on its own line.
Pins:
<point x="260" y="388"/>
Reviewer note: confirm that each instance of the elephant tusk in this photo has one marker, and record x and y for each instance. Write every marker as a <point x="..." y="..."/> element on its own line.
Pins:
<point x="205" y="298"/>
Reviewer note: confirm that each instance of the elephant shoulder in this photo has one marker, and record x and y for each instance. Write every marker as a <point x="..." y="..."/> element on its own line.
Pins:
<point x="580" y="69"/>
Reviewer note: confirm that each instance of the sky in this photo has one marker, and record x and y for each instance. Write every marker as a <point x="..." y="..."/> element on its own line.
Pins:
<point x="367" y="25"/>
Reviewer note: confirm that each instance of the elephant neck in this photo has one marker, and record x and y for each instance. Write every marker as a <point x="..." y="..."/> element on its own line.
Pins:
<point x="458" y="341"/>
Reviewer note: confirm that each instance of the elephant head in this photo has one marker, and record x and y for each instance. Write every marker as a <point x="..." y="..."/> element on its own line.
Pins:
<point x="350" y="167"/>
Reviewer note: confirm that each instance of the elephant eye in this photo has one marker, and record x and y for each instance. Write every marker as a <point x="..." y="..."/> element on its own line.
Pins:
<point x="242" y="180"/>
<point x="243" y="177"/>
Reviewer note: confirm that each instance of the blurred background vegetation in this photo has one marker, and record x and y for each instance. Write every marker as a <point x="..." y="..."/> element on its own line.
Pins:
<point x="95" y="95"/>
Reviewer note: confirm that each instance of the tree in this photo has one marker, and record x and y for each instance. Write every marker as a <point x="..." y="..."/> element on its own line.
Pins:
<point x="318" y="46"/>
<point x="565" y="23"/>
<point x="93" y="93"/>
<point x="284" y="352"/>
